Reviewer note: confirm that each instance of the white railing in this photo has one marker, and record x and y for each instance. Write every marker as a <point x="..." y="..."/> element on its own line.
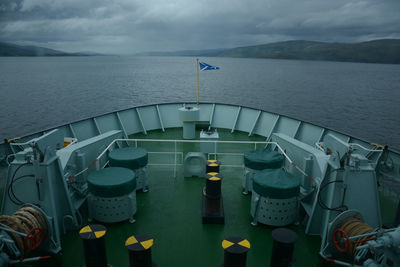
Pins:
<point x="175" y="152"/>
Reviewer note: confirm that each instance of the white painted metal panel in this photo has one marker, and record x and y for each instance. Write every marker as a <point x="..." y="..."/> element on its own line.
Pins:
<point x="265" y="124"/>
<point x="65" y="131"/>
<point x="150" y="118"/>
<point x="246" y="119"/>
<point x="342" y="137"/>
<point x="131" y="121"/>
<point x="205" y="112"/>
<point x="287" y="126"/>
<point x="309" y="133"/>
<point x="169" y="115"/>
<point x="224" y="116"/>
<point x="108" y="122"/>
<point x="84" y="129"/>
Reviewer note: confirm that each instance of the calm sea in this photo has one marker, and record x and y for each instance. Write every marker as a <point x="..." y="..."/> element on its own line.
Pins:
<point x="362" y="100"/>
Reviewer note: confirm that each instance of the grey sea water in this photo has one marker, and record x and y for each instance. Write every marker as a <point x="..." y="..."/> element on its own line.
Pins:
<point x="362" y="100"/>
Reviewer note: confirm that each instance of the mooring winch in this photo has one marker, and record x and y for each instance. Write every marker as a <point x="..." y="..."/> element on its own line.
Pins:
<point x="22" y="233"/>
<point x="339" y="201"/>
<point x="45" y="187"/>
<point x="352" y="242"/>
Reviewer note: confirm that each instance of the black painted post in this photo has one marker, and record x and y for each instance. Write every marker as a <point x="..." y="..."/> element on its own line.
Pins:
<point x="283" y="247"/>
<point x="139" y="248"/>
<point x="212" y="165"/>
<point x="235" y="251"/>
<point x="94" y="248"/>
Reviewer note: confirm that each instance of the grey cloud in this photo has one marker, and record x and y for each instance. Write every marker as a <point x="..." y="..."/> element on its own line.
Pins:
<point x="126" y="26"/>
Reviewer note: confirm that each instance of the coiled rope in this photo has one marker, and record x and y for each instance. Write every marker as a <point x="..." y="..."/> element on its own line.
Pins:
<point x="352" y="227"/>
<point x="29" y="221"/>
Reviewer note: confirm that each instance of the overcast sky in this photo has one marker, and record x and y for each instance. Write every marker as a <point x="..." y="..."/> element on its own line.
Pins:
<point x="131" y="26"/>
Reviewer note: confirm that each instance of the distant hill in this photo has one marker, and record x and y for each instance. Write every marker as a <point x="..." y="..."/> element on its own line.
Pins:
<point x="13" y="50"/>
<point x="377" y="51"/>
<point x="199" y="53"/>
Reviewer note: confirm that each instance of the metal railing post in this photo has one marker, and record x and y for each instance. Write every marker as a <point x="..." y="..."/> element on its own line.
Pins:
<point x="215" y="150"/>
<point x="97" y="160"/>
<point x="175" y="160"/>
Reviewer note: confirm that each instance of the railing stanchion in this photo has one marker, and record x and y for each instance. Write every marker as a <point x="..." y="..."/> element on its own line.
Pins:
<point x="215" y="150"/>
<point x="175" y="160"/>
<point x="185" y="141"/>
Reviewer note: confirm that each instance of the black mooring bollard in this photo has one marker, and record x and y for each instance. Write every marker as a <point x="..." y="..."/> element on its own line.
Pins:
<point x="213" y="208"/>
<point x="213" y="193"/>
<point x="94" y="247"/>
<point x="283" y="247"/>
<point x="212" y="165"/>
<point x="213" y="185"/>
<point x="139" y="248"/>
<point x="235" y="251"/>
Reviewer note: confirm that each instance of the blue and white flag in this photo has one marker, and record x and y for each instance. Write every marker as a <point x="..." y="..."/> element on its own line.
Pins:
<point x="205" y="66"/>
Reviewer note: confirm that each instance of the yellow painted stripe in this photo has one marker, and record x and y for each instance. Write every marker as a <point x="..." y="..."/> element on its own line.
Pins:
<point x="245" y="243"/>
<point x="214" y="179"/>
<point x="212" y="160"/>
<point x="377" y="145"/>
<point x="99" y="234"/>
<point x="131" y="240"/>
<point x="147" y="244"/>
<point x="85" y="229"/>
<point x="14" y="139"/>
<point x="212" y="173"/>
<point x="213" y="165"/>
<point x="226" y="244"/>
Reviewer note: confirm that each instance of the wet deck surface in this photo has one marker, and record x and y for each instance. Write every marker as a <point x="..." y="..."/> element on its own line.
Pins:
<point x="171" y="213"/>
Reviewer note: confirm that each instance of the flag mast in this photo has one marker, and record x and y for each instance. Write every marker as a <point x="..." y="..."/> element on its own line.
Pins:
<point x="197" y="67"/>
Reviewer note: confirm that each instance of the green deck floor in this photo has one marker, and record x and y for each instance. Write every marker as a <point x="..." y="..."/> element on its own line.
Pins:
<point x="171" y="213"/>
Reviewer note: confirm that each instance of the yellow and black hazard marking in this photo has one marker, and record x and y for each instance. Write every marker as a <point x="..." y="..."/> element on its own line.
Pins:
<point x="212" y="166"/>
<point x="213" y="163"/>
<point x="213" y="176"/>
<point x="236" y="245"/>
<point x="93" y="231"/>
<point x="139" y="243"/>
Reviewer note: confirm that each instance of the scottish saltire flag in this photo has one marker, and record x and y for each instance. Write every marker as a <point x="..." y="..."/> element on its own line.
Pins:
<point x="205" y="66"/>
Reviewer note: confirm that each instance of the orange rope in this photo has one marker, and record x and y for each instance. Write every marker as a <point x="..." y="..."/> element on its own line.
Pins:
<point x="354" y="227"/>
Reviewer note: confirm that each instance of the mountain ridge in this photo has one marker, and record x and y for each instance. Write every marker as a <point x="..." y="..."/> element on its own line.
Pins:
<point x="14" y="50"/>
<point x="375" y="51"/>
<point x="386" y="51"/>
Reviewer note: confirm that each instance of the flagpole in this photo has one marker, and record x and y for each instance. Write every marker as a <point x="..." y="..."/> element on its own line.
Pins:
<point x="197" y="67"/>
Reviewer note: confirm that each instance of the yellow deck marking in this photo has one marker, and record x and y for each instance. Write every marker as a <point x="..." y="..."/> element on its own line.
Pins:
<point x="85" y="229"/>
<point x="213" y="165"/>
<point x="147" y="244"/>
<point x="245" y="243"/>
<point x="131" y="240"/>
<point x="99" y="234"/>
<point x="214" y="179"/>
<point x="213" y="173"/>
<point x="226" y="244"/>
<point x="212" y="160"/>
